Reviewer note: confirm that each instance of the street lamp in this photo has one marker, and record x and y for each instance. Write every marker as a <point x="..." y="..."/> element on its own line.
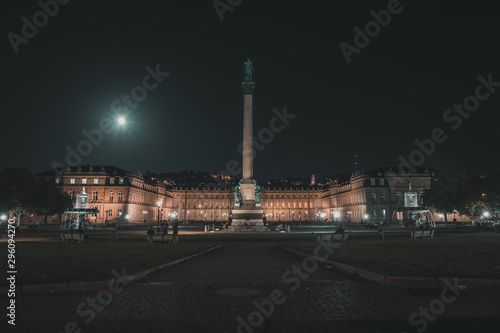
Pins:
<point x="336" y="215"/>
<point x="486" y="214"/>
<point x="158" y="217"/>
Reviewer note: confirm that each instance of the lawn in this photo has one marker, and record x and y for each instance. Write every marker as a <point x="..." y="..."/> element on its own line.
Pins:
<point x="42" y="258"/>
<point x="466" y="256"/>
<point x="51" y="261"/>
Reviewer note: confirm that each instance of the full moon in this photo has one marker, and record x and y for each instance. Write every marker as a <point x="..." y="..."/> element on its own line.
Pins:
<point x="121" y="120"/>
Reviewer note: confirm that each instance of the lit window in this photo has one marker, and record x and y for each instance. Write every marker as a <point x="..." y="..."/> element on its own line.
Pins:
<point x="58" y="180"/>
<point x="72" y="181"/>
<point x="121" y="181"/>
<point x="119" y="212"/>
<point x="84" y="181"/>
<point x="96" y="181"/>
<point x="110" y="196"/>
<point x="111" y="181"/>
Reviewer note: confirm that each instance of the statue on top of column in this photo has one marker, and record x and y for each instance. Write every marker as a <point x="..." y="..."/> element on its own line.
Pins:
<point x="248" y="70"/>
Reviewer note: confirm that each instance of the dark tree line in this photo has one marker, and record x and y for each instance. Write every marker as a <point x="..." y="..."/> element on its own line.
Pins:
<point x="21" y="193"/>
<point x="466" y="193"/>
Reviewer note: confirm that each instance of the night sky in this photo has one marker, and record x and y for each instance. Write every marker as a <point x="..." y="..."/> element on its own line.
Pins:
<point x="394" y="91"/>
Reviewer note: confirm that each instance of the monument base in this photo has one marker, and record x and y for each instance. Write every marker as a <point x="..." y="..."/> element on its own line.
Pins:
<point x="247" y="215"/>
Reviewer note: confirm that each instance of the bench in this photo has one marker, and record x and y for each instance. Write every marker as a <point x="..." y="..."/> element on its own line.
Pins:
<point x="76" y="237"/>
<point x="332" y="237"/>
<point x="422" y="233"/>
<point x="162" y="238"/>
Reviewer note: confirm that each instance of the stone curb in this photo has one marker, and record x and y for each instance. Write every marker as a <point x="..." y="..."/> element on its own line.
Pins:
<point x="94" y="285"/>
<point x="404" y="281"/>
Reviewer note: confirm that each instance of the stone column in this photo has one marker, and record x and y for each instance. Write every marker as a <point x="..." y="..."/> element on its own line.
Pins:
<point x="247" y="129"/>
<point x="247" y="137"/>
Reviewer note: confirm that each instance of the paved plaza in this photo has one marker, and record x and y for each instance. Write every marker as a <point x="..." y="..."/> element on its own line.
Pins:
<point x="210" y="293"/>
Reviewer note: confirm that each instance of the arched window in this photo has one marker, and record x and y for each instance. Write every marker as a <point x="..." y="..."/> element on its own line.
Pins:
<point x="94" y="196"/>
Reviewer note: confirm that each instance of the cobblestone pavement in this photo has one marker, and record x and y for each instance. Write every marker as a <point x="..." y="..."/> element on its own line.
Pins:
<point x="188" y="298"/>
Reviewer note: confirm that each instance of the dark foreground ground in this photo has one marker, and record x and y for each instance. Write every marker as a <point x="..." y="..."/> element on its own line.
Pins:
<point x="231" y="290"/>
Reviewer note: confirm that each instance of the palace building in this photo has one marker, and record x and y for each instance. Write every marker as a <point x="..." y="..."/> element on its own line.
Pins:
<point x="122" y="196"/>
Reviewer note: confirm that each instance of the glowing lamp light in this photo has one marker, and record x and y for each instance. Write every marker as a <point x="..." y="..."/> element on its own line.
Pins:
<point x="336" y="214"/>
<point x="486" y="214"/>
<point x="3" y="217"/>
<point x="440" y="215"/>
<point x="127" y="216"/>
<point x="365" y="216"/>
<point x="159" y="203"/>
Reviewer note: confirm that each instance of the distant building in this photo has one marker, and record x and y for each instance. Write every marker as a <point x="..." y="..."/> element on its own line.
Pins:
<point x="378" y="195"/>
<point x="115" y="193"/>
<point x="375" y="196"/>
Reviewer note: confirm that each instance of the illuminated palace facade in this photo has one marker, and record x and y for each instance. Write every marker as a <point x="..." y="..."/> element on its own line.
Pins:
<point x="373" y="196"/>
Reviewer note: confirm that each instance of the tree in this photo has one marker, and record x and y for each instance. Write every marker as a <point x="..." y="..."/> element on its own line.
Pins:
<point x="468" y="189"/>
<point x="19" y="190"/>
<point x="491" y="194"/>
<point x="439" y="198"/>
<point x="461" y="192"/>
<point x="21" y="193"/>
<point x="50" y="199"/>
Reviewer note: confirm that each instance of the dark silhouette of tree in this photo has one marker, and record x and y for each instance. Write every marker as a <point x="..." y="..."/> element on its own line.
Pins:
<point x="50" y="199"/>
<point x="462" y="192"/>
<point x="21" y="190"/>
<point x="21" y="193"/>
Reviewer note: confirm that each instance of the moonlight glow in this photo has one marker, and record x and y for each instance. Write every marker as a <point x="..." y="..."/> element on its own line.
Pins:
<point x="121" y="121"/>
